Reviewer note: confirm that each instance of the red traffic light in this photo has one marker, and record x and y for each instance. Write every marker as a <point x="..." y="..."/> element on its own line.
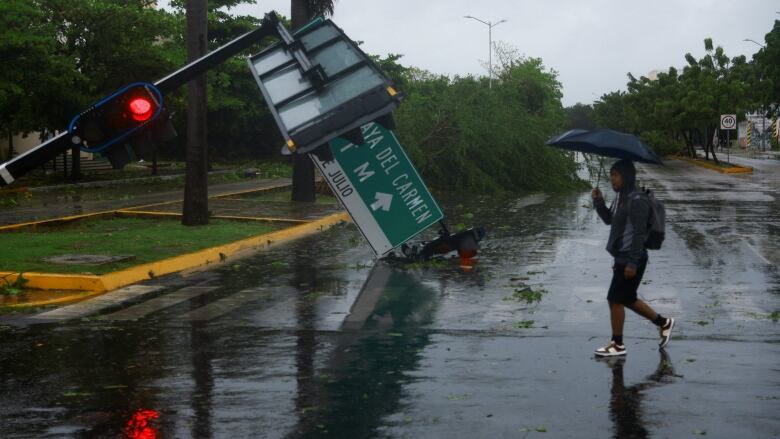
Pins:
<point x="140" y="109"/>
<point x="116" y="117"/>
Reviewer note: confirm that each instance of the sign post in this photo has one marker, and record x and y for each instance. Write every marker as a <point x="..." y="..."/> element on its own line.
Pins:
<point x="379" y="186"/>
<point x="728" y="122"/>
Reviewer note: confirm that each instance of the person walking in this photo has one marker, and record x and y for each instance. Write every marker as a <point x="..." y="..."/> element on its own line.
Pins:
<point x="628" y="218"/>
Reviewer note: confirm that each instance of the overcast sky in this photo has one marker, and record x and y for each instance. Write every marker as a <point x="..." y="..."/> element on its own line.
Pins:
<point x="591" y="43"/>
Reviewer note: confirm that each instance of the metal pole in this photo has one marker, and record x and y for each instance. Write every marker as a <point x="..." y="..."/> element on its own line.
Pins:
<point x="728" y="146"/>
<point x="490" y="55"/>
<point x="490" y="26"/>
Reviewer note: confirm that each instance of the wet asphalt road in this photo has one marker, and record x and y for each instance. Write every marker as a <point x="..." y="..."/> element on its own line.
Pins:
<point x="315" y="340"/>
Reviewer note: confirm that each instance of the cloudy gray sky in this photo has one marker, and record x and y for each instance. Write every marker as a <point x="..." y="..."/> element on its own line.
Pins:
<point x="591" y="43"/>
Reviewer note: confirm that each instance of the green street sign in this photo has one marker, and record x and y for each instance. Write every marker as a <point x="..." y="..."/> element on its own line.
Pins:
<point x="380" y="188"/>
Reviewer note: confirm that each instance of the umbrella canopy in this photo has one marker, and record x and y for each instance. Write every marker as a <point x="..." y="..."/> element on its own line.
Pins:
<point x="607" y="143"/>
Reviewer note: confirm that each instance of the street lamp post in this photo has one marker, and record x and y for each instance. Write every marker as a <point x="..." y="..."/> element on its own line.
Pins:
<point x="490" y="26"/>
<point x="756" y="42"/>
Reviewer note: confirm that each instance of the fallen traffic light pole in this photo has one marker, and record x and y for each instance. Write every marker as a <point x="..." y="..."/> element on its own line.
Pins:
<point x="271" y="26"/>
<point x="329" y="100"/>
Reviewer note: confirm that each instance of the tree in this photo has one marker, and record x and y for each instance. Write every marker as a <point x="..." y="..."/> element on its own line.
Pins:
<point x="35" y="71"/>
<point x="463" y="136"/>
<point x="580" y="116"/>
<point x="610" y="111"/>
<point x="240" y="125"/>
<point x="712" y="87"/>
<point x="196" y="211"/>
<point x="73" y="53"/>
<point x="767" y="62"/>
<point x="681" y="109"/>
<point x="302" y="12"/>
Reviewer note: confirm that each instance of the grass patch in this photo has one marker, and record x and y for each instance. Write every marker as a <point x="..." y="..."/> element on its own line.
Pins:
<point x="149" y="240"/>
<point x="526" y="295"/>
<point x="773" y="316"/>
<point x="8" y="288"/>
<point x="524" y="324"/>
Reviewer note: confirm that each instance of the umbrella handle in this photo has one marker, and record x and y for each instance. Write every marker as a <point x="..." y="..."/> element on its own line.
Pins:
<point x="601" y="169"/>
<point x="598" y="180"/>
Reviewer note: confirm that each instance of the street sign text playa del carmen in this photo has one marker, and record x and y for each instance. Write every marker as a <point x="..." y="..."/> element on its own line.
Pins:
<point x="380" y="188"/>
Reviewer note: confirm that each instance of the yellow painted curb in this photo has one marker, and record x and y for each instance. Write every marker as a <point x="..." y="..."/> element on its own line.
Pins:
<point x="729" y="170"/>
<point x="55" y="221"/>
<point x="199" y="259"/>
<point x="68" y="298"/>
<point x="55" y="281"/>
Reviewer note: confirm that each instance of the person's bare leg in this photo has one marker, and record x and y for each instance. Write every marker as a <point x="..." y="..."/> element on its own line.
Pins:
<point x="643" y="309"/>
<point x="617" y="315"/>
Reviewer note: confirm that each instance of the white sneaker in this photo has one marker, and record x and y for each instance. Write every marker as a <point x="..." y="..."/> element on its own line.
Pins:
<point x="611" y="350"/>
<point x="666" y="332"/>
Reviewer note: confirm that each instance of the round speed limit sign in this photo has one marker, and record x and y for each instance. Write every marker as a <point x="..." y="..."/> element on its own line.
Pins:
<point x="728" y="121"/>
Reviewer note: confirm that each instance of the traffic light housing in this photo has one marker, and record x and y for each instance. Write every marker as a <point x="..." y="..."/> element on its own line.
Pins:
<point x="124" y="125"/>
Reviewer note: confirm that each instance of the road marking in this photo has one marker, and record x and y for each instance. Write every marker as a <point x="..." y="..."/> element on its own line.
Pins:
<point x="158" y="303"/>
<point x="756" y="252"/>
<point x="94" y="306"/>
<point x="225" y="305"/>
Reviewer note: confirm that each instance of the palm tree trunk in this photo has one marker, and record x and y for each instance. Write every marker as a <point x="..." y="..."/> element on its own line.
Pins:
<point x="10" y="145"/>
<point x="303" y="168"/>
<point x="75" y="157"/>
<point x="299" y="11"/>
<point x="196" y="201"/>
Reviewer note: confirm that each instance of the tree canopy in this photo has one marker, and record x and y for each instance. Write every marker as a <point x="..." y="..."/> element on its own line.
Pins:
<point x="61" y="56"/>
<point x="464" y="135"/>
<point x="681" y="108"/>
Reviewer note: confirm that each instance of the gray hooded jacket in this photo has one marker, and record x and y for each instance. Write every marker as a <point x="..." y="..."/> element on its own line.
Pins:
<point x="628" y="219"/>
<point x="628" y="231"/>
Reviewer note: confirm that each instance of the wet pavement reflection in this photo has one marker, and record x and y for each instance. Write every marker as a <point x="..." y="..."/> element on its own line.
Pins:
<point x="625" y="405"/>
<point x="315" y="339"/>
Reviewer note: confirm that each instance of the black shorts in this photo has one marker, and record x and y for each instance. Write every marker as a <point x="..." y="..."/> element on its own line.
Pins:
<point x="623" y="290"/>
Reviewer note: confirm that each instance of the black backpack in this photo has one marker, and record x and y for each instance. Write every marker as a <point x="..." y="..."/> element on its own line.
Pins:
<point x="656" y="223"/>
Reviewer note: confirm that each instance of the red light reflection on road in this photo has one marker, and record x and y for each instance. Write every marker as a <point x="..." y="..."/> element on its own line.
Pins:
<point x="139" y="426"/>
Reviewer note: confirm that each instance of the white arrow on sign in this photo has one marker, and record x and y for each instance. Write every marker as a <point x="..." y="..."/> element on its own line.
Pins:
<point x="383" y="201"/>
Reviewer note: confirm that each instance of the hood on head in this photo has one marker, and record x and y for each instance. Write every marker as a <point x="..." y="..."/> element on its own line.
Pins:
<point x="626" y="170"/>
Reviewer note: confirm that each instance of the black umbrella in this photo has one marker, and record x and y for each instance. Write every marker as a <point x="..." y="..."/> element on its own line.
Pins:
<point x="606" y="143"/>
